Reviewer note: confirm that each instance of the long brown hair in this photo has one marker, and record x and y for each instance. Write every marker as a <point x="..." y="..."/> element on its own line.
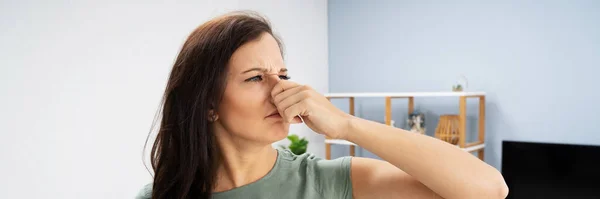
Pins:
<point x="184" y="156"/>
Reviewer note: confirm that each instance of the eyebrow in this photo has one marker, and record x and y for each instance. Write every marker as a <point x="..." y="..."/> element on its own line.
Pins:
<point x="264" y="70"/>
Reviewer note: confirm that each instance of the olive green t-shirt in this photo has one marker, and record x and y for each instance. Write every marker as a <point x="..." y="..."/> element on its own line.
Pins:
<point x="293" y="176"/>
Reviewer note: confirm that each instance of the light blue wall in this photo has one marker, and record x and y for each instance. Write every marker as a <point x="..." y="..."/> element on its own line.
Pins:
<point x="538" y="61"/>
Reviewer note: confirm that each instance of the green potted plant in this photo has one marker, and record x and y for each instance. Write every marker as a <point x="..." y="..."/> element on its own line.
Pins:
<point x="298" y="145"/>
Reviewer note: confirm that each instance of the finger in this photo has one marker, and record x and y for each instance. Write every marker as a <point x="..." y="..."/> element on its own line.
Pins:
<point x="287" y="93"/>
<point x="294" y="98"/>
<point x="298" y="109"/>
<point x="281" y="86"/>
<point x="296" y="120"/>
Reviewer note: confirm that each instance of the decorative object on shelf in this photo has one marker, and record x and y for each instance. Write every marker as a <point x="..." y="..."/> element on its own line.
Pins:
<point x="460" y="85"/>
<point x="416" y="122"/>
<point x="448" y="129"/>
<point x="298" y="145"/>
<point x="457" y="88"/>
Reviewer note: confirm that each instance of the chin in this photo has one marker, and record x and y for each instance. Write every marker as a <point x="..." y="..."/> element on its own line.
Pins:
<point x="278" y="132"/>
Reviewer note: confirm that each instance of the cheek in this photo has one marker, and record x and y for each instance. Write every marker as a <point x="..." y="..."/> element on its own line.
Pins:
<point x="255" y="93"/>
<point x="243" y="107"/>
<point x="252" y="95"/>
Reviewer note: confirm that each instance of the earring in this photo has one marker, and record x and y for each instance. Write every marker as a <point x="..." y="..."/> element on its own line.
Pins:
<point x="212" y="116"/>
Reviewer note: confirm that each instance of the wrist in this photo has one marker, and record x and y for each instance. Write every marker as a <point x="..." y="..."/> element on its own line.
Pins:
<point x="353" y="125"/>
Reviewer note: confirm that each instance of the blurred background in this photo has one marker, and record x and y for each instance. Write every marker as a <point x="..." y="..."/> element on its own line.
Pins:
<point x="81" y="81"/>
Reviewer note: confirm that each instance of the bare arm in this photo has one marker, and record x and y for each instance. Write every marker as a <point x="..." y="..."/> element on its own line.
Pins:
<point x="373" y="178"/>
<point x="415" y="166"/>
<point x="442" y="168"/>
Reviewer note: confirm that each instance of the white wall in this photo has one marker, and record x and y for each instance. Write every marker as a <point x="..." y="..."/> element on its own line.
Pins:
<point x="81" y="81"/>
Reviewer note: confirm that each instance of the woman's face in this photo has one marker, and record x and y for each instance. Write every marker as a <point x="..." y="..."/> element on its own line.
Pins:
<point x="246" y="110"/>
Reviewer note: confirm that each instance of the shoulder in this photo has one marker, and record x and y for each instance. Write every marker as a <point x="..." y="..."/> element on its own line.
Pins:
<point x="313" y="163"/>
<point x="311" y="160"/>
<point x="145" y="192"/>
<point x="331" y="177"/>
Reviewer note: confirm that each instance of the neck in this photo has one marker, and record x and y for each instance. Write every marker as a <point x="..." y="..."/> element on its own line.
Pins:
<point x="242" y="163"/>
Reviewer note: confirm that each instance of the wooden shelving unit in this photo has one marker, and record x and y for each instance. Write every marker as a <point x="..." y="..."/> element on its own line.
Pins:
<point x="478" y="146"/>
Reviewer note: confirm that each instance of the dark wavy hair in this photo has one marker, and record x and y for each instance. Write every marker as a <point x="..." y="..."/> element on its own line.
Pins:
<point x="184" y="155"/>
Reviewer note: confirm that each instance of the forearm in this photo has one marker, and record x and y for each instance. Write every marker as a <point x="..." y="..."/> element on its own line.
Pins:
<point x="444" y="168"/>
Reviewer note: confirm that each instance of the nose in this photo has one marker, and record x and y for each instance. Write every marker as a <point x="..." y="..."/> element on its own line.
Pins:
<point x="272" y="80"/>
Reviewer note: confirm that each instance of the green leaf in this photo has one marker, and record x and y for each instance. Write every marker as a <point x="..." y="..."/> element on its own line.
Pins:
<point x="297" y="146"/>
<point x="303" y="142"/>
<point x="293" y="138"/>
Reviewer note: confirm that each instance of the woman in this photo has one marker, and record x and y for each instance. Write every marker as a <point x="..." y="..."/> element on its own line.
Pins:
<point x="228" y="99"/>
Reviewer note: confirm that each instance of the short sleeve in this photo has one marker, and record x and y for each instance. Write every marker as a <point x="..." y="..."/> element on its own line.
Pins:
<point x="333" y="177"/>
<point x="145" y="192"/>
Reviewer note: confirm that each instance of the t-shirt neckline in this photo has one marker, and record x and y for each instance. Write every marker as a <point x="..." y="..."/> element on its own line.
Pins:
<point x="272" y="172"/>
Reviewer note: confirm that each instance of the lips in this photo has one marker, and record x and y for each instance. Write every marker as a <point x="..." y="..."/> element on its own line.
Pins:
<point x="274" y="114"/>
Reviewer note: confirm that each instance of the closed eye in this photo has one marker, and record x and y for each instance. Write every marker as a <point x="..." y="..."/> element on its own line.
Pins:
<point x="259" y="78"/>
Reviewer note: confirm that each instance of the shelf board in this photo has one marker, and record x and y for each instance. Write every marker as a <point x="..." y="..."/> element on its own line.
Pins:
<point x="474" y="148"/>
<point x="336" y="141"/>
<point x="406" y="94"/>
<point x="344" y="142"/>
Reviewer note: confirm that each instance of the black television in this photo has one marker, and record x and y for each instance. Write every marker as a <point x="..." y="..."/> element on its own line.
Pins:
<point x="551" y="170"/>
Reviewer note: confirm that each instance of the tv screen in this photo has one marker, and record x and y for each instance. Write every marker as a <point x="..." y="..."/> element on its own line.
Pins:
<point x="547" y="170"/>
